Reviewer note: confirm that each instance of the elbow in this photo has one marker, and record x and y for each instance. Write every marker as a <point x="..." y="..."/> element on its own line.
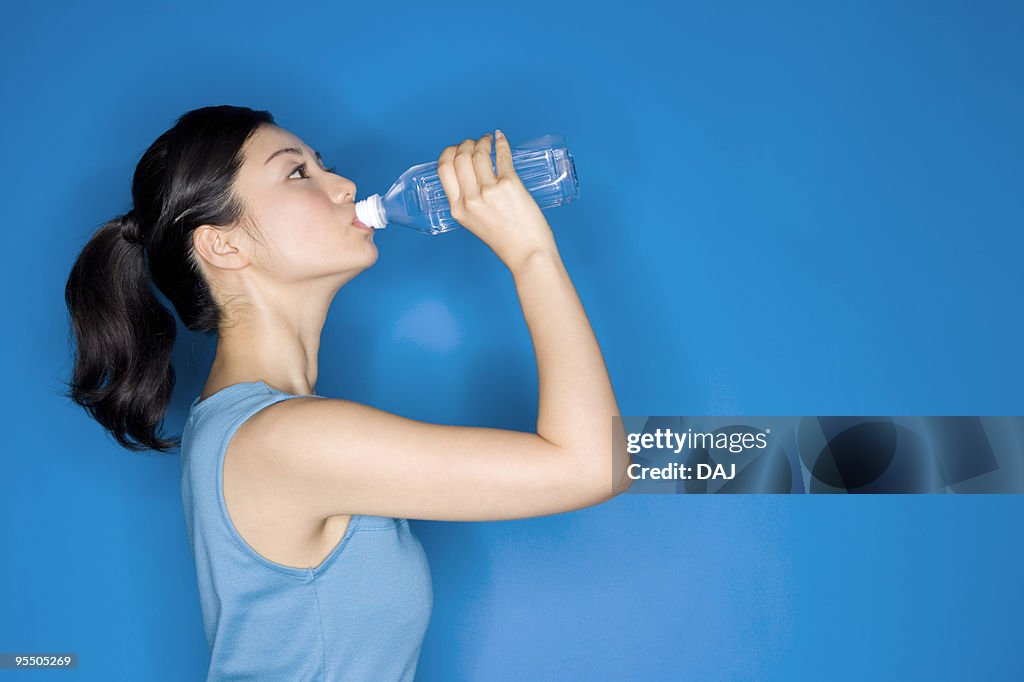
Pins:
<point x="619" y="483"/>
<point x="623" y="481"/>
<point x="610" y="477"/>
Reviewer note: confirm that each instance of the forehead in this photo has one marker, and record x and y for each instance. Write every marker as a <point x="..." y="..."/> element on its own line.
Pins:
<point x="267" y="140"/>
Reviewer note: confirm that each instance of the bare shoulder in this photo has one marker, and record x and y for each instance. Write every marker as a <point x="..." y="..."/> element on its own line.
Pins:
<point x="263" y="511"/>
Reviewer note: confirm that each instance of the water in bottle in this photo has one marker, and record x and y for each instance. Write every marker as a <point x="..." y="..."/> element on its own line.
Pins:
<point x="418" y="201"/>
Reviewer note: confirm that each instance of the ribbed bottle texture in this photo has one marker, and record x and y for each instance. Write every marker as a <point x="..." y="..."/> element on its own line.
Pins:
<point x="418" y="201"/>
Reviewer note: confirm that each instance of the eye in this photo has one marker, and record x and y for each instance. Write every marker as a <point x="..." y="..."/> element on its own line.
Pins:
<point x="302" y="167"/>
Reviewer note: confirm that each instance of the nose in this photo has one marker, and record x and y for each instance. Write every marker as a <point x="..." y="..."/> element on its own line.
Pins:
<point x="345" y="191"/>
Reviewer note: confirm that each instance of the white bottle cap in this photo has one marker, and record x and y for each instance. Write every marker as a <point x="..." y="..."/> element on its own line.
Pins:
<point x="371" y="212"/>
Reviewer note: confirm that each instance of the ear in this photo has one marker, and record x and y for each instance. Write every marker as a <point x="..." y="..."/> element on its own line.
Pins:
<point x="219" y="247"/>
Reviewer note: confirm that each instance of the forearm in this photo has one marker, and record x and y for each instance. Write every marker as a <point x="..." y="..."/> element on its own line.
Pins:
<point x="576" y="401"/>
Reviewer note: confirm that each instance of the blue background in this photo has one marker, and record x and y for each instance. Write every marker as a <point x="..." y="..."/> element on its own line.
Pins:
<point x="792" y="208"/>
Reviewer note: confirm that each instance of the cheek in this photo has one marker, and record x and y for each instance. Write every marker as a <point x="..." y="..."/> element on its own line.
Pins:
<point x="315" y="237"/>
<point x="314" y="220"/>
<point x="300" y="223"/>
<point x="306" y="231"/>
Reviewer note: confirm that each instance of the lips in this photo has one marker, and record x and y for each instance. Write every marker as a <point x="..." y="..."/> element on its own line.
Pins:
<point x="357" y="223"/>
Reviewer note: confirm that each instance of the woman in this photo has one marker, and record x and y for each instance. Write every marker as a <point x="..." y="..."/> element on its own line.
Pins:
<point x="296" y="505"/>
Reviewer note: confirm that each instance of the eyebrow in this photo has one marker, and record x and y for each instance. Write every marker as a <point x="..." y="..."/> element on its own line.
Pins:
<point x="292" y="150"/>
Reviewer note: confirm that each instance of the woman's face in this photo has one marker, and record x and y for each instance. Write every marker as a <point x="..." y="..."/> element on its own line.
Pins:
<point x="304" y="213"/>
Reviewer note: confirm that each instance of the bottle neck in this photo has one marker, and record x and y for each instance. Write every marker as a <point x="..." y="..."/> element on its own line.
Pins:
<point x="370" y="211"/>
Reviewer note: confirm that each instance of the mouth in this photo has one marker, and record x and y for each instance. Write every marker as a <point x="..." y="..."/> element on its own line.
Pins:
<point x="357" y="223"/>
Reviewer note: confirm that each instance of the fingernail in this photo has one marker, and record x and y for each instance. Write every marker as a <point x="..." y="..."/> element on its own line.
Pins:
<point x="498" y="134"/>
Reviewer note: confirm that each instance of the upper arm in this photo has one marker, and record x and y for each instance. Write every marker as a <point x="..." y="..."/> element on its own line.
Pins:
<point x="342" y="457"/>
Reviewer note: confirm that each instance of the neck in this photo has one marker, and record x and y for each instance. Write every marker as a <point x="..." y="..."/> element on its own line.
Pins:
<point x="276" y="347"/>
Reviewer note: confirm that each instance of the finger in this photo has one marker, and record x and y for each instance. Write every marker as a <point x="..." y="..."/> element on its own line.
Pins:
<point x="482" y="162"/>
<point x="446" y="173"/>
<point x="464" y="170"/>
<point x="503" y="156"/>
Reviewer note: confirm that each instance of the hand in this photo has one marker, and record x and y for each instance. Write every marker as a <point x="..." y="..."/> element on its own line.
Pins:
<point x="496" y="208"/>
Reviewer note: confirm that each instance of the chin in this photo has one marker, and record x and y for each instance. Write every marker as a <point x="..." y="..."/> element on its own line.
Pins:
<point x="367" y="256"/>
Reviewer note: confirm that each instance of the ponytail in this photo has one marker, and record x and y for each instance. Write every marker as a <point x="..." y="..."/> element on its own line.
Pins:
<point x="123" y="375"/>
<point x="124" y="337"/>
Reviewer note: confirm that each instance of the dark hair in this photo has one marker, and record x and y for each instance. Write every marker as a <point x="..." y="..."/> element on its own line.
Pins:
<point x="124" y="336"/>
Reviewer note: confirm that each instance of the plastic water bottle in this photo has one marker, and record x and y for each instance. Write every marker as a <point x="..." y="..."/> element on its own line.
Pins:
<point x="418" y="201"/>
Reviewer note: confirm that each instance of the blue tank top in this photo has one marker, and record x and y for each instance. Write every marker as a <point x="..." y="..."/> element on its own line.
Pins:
<point x="360" y="615"/>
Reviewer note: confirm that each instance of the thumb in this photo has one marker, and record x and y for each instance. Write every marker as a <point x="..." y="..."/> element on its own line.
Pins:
<point x="503" y="155"/>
